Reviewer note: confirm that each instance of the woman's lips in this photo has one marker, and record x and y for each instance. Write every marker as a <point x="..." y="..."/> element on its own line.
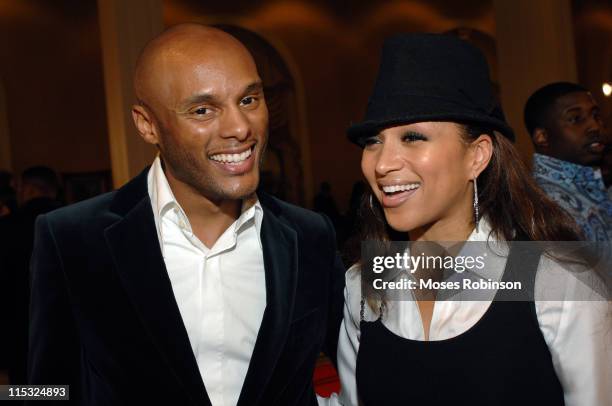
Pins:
<point x="391" y="200"/>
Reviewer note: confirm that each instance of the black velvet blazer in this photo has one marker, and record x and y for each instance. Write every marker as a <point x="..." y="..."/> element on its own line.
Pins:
<point x="104" y="318"/>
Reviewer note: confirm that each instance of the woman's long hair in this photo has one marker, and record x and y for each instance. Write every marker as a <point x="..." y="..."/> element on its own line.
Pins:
<point x="508" y="196"/>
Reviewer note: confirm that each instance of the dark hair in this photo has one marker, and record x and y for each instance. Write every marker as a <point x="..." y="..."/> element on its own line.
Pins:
<point x="515" y="206"/>
<point x="43" y="178"/>
<point x="539" y="104"/>
<point x="8" y="198"/>
<point x="511" y="199"/>
<point x="5" y="179"/>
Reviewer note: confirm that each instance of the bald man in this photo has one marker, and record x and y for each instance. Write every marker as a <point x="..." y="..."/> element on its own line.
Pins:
<point x="186" y="286"/>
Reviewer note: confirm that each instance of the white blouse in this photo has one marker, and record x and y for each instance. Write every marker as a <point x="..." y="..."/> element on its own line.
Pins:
<point x="578" y="333"/>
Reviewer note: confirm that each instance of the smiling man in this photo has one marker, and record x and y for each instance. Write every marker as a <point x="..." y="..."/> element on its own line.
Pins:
<point x="186" y="286"/>
<point x="566" y="128"/>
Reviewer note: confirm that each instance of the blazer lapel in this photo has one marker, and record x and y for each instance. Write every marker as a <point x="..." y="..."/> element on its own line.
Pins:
<point x="279" y="244"/>
<point x="137" y="255"/>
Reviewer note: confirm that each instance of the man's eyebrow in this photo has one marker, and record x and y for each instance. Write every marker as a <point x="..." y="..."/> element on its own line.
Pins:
<point x="572" y="109"/>
<point x="254" y="87"/>
<point x="200" y="98"/>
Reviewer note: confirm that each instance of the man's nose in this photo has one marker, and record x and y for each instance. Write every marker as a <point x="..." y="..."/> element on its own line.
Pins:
<point x="596" y="124"/>
<point x="235" y="124"/>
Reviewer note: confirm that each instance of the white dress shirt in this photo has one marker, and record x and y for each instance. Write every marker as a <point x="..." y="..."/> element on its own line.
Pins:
<point x="220" y="290"/>
<point x="578" y="333"/>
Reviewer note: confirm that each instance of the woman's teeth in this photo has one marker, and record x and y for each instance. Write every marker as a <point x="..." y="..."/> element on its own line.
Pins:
<point x="400" y="188"/>
<point x="232" y="158"/>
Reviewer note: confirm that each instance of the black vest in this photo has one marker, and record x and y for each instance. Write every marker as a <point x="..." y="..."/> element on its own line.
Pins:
<point x="501" y="360"/>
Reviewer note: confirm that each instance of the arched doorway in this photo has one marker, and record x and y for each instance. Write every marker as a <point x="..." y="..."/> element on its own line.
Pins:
<point x="282" y="173"/>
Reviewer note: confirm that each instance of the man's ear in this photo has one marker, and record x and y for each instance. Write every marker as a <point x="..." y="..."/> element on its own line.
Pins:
<point x="144" y="124"/>
<point x="540" y="138"/>
<point x="482" y="153"/>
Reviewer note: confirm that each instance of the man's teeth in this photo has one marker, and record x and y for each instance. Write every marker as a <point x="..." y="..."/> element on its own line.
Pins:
<point x="400" y="188"/>
<point x="232" y="158"/>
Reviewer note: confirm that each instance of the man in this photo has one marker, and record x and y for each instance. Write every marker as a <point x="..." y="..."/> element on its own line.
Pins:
<point x="37" y="193"/>
<point x="7" y="194"/>
<point x="38" y="186"/>
<point x="184" y="287"/>
<point x="7" y="207"/>
<point x="324" y="202"/>
<point x="606" y="168"/>
<point x="565" y="126"/>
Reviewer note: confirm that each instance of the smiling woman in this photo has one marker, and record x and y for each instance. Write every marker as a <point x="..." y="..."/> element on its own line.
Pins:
<point x="439" y="160"/>
<point x="418" y="173"/>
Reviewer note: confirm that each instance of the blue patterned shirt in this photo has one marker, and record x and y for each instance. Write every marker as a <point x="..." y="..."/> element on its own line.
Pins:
<point x="579" y="190"/>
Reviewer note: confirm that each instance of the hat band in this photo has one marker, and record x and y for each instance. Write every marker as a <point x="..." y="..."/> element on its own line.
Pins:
<point x="457" y="98"/>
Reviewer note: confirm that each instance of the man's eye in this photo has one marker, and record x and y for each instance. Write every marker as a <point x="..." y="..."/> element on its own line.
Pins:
<point x="575" y="119"/>
<point x="248" y="101"/>
<point x="201" y="111"/>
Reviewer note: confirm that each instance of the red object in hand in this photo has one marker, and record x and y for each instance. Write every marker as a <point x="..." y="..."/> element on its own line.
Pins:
<point x="326" y="378"/>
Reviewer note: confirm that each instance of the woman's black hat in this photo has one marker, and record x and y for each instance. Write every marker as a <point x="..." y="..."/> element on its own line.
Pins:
<point x="430" y="77"/>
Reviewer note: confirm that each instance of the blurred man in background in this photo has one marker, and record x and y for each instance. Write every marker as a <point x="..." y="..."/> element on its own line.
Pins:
<point x="8" y="204"/>
<point x="606" y="168"/>
<point x="37" y="193"/>
<point x="566" y="128"/>
<point x="8" y="200"/>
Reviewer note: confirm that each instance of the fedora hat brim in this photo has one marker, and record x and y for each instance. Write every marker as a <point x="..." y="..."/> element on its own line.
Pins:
<point x="421" y="111"/>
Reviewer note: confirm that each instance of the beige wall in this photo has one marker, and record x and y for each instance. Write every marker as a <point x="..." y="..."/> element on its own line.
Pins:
<point x="539" y="51"/>
<point x="593" y="38"/>
<point x="52" y="73"/>
<point x="125" y="28"/>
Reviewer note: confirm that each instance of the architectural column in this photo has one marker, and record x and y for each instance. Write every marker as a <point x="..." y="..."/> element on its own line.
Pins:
<point x="535" y="46"/>
<point x="125" y="27"/>
<point x="5" y="141"/>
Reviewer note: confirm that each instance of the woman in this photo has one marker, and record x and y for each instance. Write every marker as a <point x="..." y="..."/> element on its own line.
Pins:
<point x="438" y="157"/>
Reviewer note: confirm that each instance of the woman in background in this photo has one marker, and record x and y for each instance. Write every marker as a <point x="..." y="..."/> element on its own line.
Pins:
<point x="439" y="160"/>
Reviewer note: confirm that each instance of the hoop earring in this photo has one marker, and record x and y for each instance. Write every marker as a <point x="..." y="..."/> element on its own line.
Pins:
<point x="476" y="214"/>
<point x="373" y="210"/>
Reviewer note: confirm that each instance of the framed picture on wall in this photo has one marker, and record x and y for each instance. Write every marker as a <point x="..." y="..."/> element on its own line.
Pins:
<point x="83" y="185"/>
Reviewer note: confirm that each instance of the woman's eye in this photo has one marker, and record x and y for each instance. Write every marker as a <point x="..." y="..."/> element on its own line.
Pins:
<point x="411" y="137"/>
<point x="371" y="141"/>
